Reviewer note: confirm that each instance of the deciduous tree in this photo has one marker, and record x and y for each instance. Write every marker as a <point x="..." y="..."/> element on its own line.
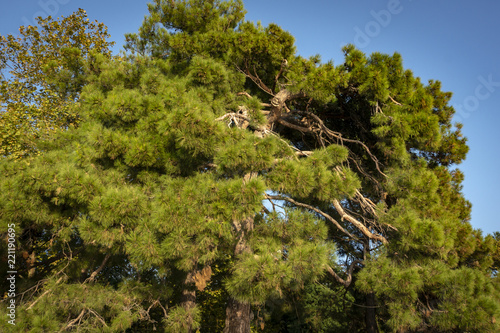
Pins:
<point x="41" y="72"/>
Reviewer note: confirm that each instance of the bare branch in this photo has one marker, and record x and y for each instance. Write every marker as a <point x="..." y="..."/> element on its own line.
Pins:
<point x="314" y="209"/>
<point x="231" y="115"/>
<point x="35" y="287"/>
<point x="348" y="280"/>
<point x="303" y="153"/>
<point x="339" y="137"/>
<point x="366" y="174"/>
<point x="98" y="270"/>
<point x="256" y="79"/>
<point x="98" y="317"/>
<point x="44" y="293"/>
<point x="366" y="203"/>
<point x="244" y="93"/>
<point x="392" y="99"/>
<point x="356" y="223"/>
<point x="74" y="321"/>
<point x="284" y="64"/>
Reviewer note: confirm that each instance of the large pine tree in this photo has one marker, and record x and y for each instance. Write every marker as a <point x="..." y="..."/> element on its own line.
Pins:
<point x="219" y="181"/>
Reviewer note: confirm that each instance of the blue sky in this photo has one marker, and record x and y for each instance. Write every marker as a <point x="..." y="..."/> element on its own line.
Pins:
<point x="456" y="43"/>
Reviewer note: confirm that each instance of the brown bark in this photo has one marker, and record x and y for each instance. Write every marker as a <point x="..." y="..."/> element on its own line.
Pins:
<point x="188" y="300"/>
<point x="238" y="313"/>
<point x="31" y="262"/>
<point x="278" y="104"/>
<point x="237" y="317"/>
<point x="370" y="315"/>
<point x="347" y="282"/>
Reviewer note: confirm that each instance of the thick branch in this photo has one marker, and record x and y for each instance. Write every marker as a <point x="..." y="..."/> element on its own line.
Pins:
<point x="285" y="95"/>
<point x="395" y="102"/>
<point x="278" y="103"/>
<point x="348" y="280"/>
<point x="98" y="270"/>
<point x="356" y="223"/>
<point x="296" y="127"/>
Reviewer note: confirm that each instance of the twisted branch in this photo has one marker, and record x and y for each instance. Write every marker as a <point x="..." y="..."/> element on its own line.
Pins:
<point x="348" y="280"/>
<point x="356" y="223"/>
<point x="336" y="135"/>
<point x="92" y="276"/>
<point x="325" y="215"/>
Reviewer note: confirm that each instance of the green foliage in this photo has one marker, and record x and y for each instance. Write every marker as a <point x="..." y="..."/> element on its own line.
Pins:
<point x="42" y="73"/>
<point x="327" y="308"/>
<point x="288" y="252"/>
<point x="316" y="176"/>
<point x="247" y="153"/>
<point x="89" y="303"/>
<point x="214" y="163"/>
<point x="182" y="320"/>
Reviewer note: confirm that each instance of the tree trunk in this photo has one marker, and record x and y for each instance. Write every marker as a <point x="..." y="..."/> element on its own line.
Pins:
<point x="237" y="317"/>
<point x="188" y="300"/>
<point x="238" y="313"/>
<point x="370" y="319"/>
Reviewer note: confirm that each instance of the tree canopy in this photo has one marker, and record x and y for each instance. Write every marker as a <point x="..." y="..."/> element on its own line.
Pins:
<point x="42" y="70"/>
<point x="218" y="181"/>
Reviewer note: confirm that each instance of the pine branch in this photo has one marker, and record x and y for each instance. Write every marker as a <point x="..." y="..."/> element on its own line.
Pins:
<point x="44" y="293"/>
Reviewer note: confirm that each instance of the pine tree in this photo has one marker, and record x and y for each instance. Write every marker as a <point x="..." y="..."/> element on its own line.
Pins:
<point x="215" y="166"/>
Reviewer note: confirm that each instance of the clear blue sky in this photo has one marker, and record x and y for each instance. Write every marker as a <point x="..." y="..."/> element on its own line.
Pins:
<point x="457" y="43"/>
